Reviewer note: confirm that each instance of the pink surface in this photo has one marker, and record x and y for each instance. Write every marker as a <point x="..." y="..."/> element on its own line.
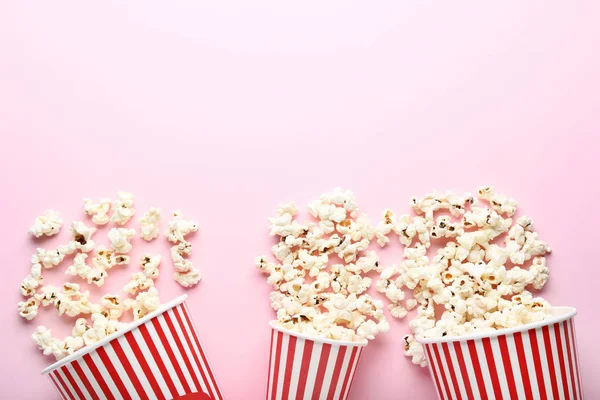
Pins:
<point x="224" y="111"/>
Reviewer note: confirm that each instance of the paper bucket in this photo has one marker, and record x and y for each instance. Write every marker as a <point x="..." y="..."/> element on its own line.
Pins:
<point x="156" y="357"/>
<point x="302" y="367"/>
<point x="532" y="361"/>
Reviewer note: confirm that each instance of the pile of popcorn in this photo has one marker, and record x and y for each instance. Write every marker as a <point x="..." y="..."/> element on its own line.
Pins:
<point x="98" y="320"/>
<point x="479" y="276"/>
<point x="319" y="278"/>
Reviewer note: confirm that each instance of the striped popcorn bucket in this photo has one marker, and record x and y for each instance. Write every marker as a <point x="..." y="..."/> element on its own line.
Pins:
<point x="302" y="367"/>
<point x="533" y="361"/>
<point x="156" y="357"/>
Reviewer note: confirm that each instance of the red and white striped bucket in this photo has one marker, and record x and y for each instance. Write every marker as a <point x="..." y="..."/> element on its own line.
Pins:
<point x="302" y="367"/>
<point x="533" y="361"/>
<point x="156" y="357"/>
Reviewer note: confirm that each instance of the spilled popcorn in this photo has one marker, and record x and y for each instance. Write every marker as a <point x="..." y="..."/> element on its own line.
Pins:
<point x="91" y="264"/>
<point x="319" y="277"/>
<point x="480" y="276"/>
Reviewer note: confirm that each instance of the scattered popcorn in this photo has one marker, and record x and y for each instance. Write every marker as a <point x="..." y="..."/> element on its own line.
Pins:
<point x="84" y="271"/>
<point x="143" y="304"/>
<point x="48" y="224"/>
<point x="138" y="282"/>
<point x="122" y="208"/>
<point x="82" y="236"/>
<point x="179" y="228"/>
<point x="150" y="265"/>
<point x="28" y="309"/>
<point x="99" y="211"/>
<point x="105" y="259"/>
<point x="149" y="224"/>
<point x="120" y="238"/>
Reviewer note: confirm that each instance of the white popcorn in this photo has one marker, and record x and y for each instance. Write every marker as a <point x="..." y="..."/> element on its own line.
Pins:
<point x="48" y="258"/>
<point x="48" y="344"/>
<point x="81" y="326"/>
<point x="188" y="278"/>
<point x="99" y="211"/>
<point x="28" y="309"/>
<point x="122" y="208"/>
<point x="120" y="238"/>
<point x="179" y="228"/>
<point x="138" y="282"/>
<point x="47" y="295"/>
<point x="500" y="203"/>
<point x="149" y="224"/>
<point x="105" y="259"/>
<point x="30" y="284"/>
<point x="89" y="274"/>
<point x="143" y="304"/>
<point x="112" y="306"/>
<point x="150" y="265"/>
<point x="48" y="224"/>
<point x="82" y="236"/>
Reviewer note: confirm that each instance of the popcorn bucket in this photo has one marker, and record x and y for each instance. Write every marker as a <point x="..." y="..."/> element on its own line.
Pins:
<point x="532" y="361"/>
<point x="305" y="367"/>
<point x="156" y="357"/>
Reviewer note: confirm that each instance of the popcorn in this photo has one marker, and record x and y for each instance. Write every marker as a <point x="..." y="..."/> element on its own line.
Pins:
<point x="179" y="228"/>
<point x="105" y="259"/>
<point x="89" y="274"/>
<point x="82" y="236"/>
<point x="500" y="203"/>
<point x="144" y="303"/>
<point x="122" y="208"/>
<point x="138" y="282"/>
<point x="149" y="224"/>
<point x="150" y="265"/>
<point x="112" y="307"/>
<point x="72" y="301"/>
<point x="47" y="295"/>
<point x="185" y="273"/>
<point x="99" y="211"/>
<point x="28" y="309"/>
<point x="48" y="224"/>
<point x="120" y="238"/>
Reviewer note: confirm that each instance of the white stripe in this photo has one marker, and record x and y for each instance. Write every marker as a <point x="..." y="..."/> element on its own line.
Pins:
<point x="452" y="394"/>
<point x="78" y="382"/>
<point x="282" y="360"/>
<point x="149" y="358"/>
<point x="272" y="364"/>
<point x="514" y="362"/>
<point x="542" y="348"/>
<point x="485" y="369"/>
<point x="312" y="370"/>
<point x="188" y="350"/>
<point x="59" y="386"/>
<point x="437" y="370"/>
<point x="471" y="377"/>
<point x="165" y="358"/>
<point x="296" y="368"/>
<point x="557" y="371"/>
<point x="104" y="372"/>
<point x="175" y="349"/>
<point x="566" y="359"/>
<point x="575" y="359"/>
<point x="345" y="366"/>
<point x="500" y="367"/>
<point x="352" y="371"/>
<point x="137" y="368"/>
<point x="527" y="346"/>
<point x="67" y="383"/>
<point x="125" y="378"/>
<point x="329" y="371"/>
<point x="205" y="365"/>
<point x="88" y="373"/>
<point x="459" y="378"/>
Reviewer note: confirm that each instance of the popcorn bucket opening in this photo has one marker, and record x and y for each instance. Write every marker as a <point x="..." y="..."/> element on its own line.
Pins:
<point x="308" y="367"/>
<point x="537" y="359"/>
<point x="158" y="356"/>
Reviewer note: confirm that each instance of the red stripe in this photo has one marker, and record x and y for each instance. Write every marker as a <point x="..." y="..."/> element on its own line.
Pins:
<point x="561" y="360"/>
<point x="355" y="368"/>
<point x="570" y="355"/>
<point x="84" y="380"/>
<point x="112" y="372"/>
<point x="276" y="366"/>
<point x="63" y="385"/>
<point x="477" y="368"/>
<point x="446" y="350"/>
<point x="325" y="351"/>
<point x="306" y="355"/>
<point x="576" y="357"/>
<point x="348" y="372"/>
<point x="148" y="341"/>
<point x="550" y="361"/>
<point x="463" y="370"/>
<point x="538" y="364"/>
<point x="131" y="374"/>
<point x="336" y="371"/>
<point x="176" y="311"/>
<point x="270" y="366"/>
<point x="56" y="385"/>
<point x="98" y="376"/>
<point x="442" y="371"/>
<point x="289" y="362"/>
<point x="72" y="381"/>
<point x="489" y="356"/>
<point x="186" y="313"/>
<point x="510" y="377"/>
<point x="433" y="370"/>
<point x="523" y="365"/>
<point x="167" y="345"/>
<point x="144" y="364"/>
<point x="183" y="353"/>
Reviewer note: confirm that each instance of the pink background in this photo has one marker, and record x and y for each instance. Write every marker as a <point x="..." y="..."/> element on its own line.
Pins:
<point x="225" y="110"/>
